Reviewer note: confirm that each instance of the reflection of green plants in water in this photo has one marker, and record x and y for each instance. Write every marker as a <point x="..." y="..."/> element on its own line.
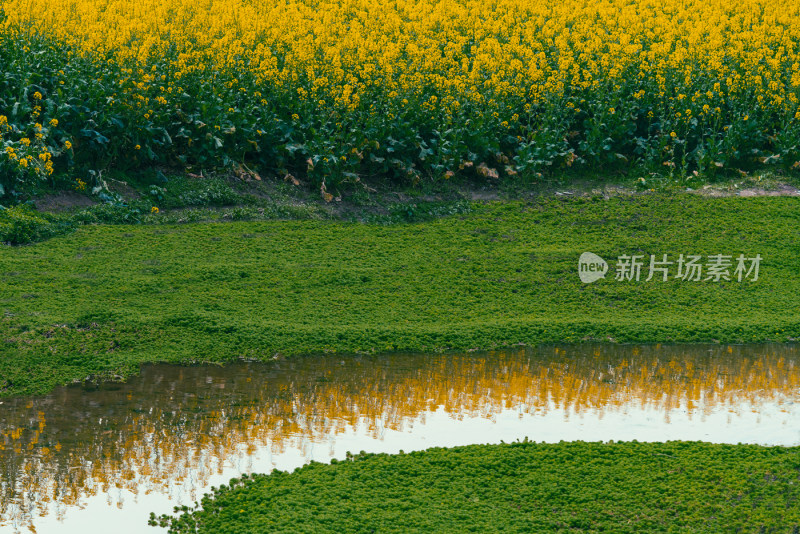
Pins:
<point x="173" y="422"/>
<point x="518" y="487"/>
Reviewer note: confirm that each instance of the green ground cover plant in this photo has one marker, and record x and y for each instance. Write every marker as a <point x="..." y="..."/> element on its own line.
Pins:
<point x="20" y="224"/>
<point x="97" y="302"/>
<point x="518" y="487"/>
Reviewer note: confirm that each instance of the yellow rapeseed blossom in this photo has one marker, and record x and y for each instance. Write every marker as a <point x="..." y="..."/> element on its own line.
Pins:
<point x="523" y="48"/>
<point x="464" y="63"/>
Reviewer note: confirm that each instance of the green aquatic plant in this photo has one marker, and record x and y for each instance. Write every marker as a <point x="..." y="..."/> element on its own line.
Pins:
<point x="516" y="487"/>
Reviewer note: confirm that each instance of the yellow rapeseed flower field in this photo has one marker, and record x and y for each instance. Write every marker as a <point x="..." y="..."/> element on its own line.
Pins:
<point x="494" y="87"/>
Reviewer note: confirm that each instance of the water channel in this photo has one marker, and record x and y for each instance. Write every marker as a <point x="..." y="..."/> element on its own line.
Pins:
<point x="85" y="457"/>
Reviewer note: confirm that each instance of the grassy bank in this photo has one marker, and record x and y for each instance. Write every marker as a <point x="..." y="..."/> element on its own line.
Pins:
<point x="518" y="487"/>
<point x="103" y="299"/>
